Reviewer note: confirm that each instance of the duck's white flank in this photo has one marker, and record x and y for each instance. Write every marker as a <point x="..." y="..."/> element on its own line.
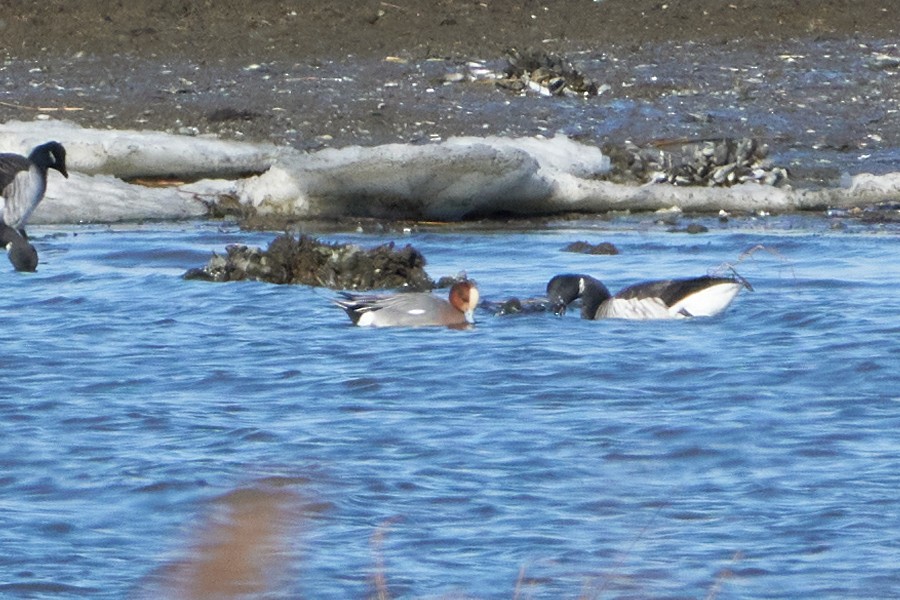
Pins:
<point x="707" y="302"/>
<point x="367" y="319"/>
<point x="634" y="309"/>
<point x="22" y="196"/>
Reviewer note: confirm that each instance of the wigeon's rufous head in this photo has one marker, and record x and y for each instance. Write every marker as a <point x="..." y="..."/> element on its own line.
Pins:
<point x="464" y="298"/>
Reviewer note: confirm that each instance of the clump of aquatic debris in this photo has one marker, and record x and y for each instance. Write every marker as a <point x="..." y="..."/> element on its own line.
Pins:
<point x="307" y="261"/>
<point x="582" y="247"/>
<point x="878" y="213"/>
<point x="544" y="73"/>
<point x="717" y="162"/>
<point x="515" y="306"/>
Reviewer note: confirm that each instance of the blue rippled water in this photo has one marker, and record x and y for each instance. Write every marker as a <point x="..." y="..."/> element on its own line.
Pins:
<point x="751" y="455"/>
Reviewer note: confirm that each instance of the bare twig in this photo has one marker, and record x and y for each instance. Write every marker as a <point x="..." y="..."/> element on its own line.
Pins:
<point x="746" y="254"/>
<point x="519" y="581"/>
<point x="379" y="579"/>
<point x="722" y="576"/>
<point x="599" y="590"/>
<point x="42" y="108"/>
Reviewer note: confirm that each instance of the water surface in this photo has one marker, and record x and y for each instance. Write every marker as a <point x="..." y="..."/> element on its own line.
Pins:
<point x="750" y="455"/>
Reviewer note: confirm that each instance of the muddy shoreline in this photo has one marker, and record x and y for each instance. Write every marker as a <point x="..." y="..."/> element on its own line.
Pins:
<point x="282" y="30"/>
<point x="816" y="81"/>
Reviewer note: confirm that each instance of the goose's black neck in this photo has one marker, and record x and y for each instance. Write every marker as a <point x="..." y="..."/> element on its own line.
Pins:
<point x="562" y="290"/>
<point x="593" y="294"/>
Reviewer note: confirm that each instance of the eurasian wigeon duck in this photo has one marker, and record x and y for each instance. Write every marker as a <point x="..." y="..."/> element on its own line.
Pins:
<point x="413" y="309"/>
<point x="23" y="181"/>
<point x="704" y="296"/>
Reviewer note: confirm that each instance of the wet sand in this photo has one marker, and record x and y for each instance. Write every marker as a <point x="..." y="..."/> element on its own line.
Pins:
<point x="816" y="81"/>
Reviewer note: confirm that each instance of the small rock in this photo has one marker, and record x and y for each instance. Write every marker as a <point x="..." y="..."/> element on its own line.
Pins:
<point x="588" y="248"/>
<point x="510" y="307"/>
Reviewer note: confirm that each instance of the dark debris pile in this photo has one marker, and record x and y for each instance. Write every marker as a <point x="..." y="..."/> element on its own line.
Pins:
<point x="582" y="247"/>
<point x="545" y="73"/>
<point x="717" y="162"/>
<point x="308" y="261"/>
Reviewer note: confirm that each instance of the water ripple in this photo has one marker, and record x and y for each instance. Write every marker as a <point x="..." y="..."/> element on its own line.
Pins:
<point x="617" y="458"/>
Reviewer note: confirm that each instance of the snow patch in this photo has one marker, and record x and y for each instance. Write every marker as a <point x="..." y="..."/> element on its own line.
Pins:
<point x="457" y="178"/>
<point x="129" y="154"/>
<point x="451" y="180"/>
<point x="105" y="199"/>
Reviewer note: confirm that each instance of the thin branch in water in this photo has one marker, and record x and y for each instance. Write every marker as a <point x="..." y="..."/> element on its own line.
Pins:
<point x="519" y="581"/>
<point x="728" y="267"/>
<point x="723" y="576"/>
<point x="379" y="578"/>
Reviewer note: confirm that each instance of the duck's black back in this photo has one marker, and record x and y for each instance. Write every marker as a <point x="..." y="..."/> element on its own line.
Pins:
<point x="671" y="291"/>
<point x="10" y="165"/>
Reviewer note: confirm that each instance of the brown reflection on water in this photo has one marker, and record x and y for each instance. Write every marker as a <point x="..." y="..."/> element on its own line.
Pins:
<point x="241" y="549"/>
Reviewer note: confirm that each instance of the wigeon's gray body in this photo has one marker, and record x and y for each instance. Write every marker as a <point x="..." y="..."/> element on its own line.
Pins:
<point x="413" y="309"/>
<point x="666" y="299"/>
<point x="23" y="181"/>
